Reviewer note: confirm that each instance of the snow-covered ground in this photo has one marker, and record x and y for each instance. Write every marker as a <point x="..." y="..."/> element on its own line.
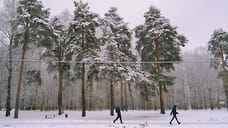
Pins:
<point x="102" y="119"/>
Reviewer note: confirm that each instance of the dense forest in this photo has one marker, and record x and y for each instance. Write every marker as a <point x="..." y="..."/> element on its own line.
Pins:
<point x="82" y="61"/>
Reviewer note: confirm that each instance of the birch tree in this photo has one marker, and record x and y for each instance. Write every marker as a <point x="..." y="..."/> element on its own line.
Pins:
<point x="7" y="28"/>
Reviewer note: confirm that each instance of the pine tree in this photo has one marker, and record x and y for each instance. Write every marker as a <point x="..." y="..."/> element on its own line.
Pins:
<point x="82" y="42"/>
<point x="117" y="37"/>
<point x="158" y="41"/>
<point x="56" y="51"/>
<point x="218" y="46"/>
<point x="33" y="30"/>
<point x="7" y="16"/>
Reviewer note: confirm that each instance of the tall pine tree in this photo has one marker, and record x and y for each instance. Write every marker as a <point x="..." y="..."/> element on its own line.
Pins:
<point x="82" y="42"/>
<point x="158" y="41"/>
<point x="218" y="46"/>
<point x="117" y="37"/>
<point x="32" y="21"/>
<point x="57" y="51"/>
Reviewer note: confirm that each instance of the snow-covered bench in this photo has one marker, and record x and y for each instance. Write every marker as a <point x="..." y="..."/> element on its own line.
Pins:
<point x="49" y="116"/>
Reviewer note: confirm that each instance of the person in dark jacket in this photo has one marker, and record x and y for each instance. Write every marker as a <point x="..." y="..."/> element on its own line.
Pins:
<point x="118" y="115"/>
<point x="174" y="112"/>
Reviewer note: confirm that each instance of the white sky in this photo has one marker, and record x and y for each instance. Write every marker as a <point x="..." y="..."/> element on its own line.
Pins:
<point x="196" y="19"/>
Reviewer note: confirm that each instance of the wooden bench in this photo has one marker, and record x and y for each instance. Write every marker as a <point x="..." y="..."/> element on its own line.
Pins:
<point x="49" y="116"/>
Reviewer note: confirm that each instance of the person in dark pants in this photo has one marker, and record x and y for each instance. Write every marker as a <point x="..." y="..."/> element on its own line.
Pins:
<point x="118" y="115"/>
<point x="174" y="112"/>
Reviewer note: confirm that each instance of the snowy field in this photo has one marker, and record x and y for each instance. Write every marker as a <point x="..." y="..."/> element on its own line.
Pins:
<point x="102" y="119"/>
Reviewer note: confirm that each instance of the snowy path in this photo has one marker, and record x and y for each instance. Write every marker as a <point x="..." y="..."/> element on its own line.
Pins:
<point x="105" y="124"/>
<point x="102" y="119"/>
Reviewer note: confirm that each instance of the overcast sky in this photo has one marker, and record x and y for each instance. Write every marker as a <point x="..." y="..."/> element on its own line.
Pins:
<point x="196" y="19"/>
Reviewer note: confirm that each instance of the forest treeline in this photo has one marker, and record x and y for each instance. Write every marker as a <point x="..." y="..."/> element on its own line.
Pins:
<point x="88" y="62"/>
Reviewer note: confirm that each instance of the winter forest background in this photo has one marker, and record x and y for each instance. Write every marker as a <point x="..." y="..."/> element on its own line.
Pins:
<point x="82" y="61"/>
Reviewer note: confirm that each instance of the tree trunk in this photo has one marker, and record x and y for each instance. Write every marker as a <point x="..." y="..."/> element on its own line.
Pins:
<point x="125" y="88"/>
<point x="91" y="95"/>
<point x="205" y="103"/>
<point x="60" y="90"/>
<point x="121" y="98"/>
<point x="225" y="81"/>
<point x="0" y="101"/>
<point x="83" y="91"/>
<point x="132" y="99"/>
<point x="60" y="94"/>
<point x="218" y="101"/>
<point x="112" y="97"/>
<point x="210" y="99"/>
<point x="35" y="98"/>
<point x="83" y="78"/>
<point x="160" y="84"/>
<point x="8" y="106"/>
<point x="111" y="88"/>
<point x="20" y="72"/>
<point x="19" y="85"/>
